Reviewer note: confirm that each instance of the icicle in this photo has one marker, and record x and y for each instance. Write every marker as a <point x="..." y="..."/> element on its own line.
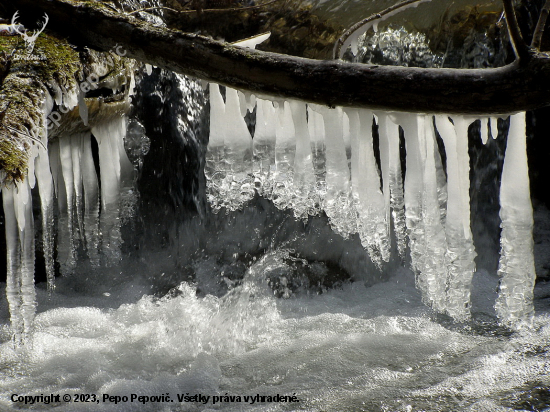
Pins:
<point x="77" y="148"/>
<point x="434" y="266"/>
<point x="46" y="191"/>
<point x="347" y="137"/>
<point x="13" y="274"/>
<point x="26" y="238"/>
<point x="414" y="186"/>
<point x="115" y="169"/>
<point x="393" y="183"/>
<point x="45" y="187"/>
<point x="460" y="249"/>
<point x="247" y="102"/>
<point x="338" y="201"/>
<point x="484" y="130"/>
<point x="493" y="123"/>
<point x="316" y="128"/>
<point x="238" y="185"/>
<point x="215" y="165"/>
<point x="264" y="147"/>
<point x="20" y="291"/>
<point x="368" y="198"/>
<point x="91" y="200"/>
<point x="33" y="153"/>
<point x="285" y="151"/>
<point x="305" y="200"/>
<point x="63" y="234"/>
<point x="514" y="304"/>
<point x="67" y="254"/>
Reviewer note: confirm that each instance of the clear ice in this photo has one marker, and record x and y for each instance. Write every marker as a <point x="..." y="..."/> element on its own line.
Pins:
<point x="514" y="304"/>
<point x="310" y="159"/>
<point x="314" y="159"/>
<point x="65" y="174"/>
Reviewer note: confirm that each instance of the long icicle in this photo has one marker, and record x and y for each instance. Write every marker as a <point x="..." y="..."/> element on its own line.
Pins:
<point x="46" y="191"/>
<point x="263" y="147"/>
<point x="215" y="167"/>
<point x="91" y="201"/>
<point x="305" y="201"/>
<point x="13" y="274"/>
<point x="369" y="199"/>
<point x="392" y="180"/>
<point x="434" y="269"/>
<point x="338" y="202"/>
<point x="460" y="248"/>
<point x="514" y="305"/>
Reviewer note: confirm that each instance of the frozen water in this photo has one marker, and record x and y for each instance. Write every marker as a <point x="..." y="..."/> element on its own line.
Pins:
<point x="392" y="180"/>
<point x="264" y="147"/>
<point x="238" y="185"/>
<point x="313" y="159"/>
<point x="460" y="248"/>
<point x="305" y="201"/>
<point x="285" y="152"/>
<point x="19" y="226"/>
<point x="220" y="333"/>
<point x="516" y="267"/>
<point x="338" y="203"/>
<point x="116" y="178"/>
<point x="369" y="199"/>
<point x="215" y="165"/>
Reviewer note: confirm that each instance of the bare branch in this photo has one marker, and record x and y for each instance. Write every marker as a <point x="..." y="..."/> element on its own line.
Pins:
<point x="364" y="25"/>
<point x="515" y="87"/>
<point x="539" y="30"/>
<point x="520" y="47"/>
<point x="258" y="6"/>
<point x="153" y="8"/>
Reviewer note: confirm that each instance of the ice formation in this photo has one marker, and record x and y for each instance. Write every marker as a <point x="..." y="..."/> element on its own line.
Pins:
<point x="68" y="186"/>
<point x="312" y="159"/>
<point x="360" y="29"/>
<point x="516" y="267"/>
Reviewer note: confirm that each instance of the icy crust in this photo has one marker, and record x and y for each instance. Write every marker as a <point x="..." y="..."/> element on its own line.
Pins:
<point x="313" y="159"/>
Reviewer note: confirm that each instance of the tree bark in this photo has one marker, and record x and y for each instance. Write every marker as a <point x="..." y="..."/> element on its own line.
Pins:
<point x="523" y="85"/>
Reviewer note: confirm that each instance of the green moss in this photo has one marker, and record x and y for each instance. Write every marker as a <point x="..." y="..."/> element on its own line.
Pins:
<point x="60" y="57"/>
<point x="53" y="67"/>
<point x="13" y="160"/>
<point x="52" y="64"/>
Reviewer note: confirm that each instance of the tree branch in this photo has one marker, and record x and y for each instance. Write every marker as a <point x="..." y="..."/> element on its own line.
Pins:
<point x="539" y="30"/>
<point x="520" y="47"/>
<point x="258" y="6"/>
<point x="491" y="91"/>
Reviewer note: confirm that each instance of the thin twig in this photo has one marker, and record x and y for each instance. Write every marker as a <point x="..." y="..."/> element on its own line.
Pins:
<point x="24" y="134"/>
<point x="539" y="30"/>
<point x="520" y="48"/>
<point x="340" y="42"/>
<point x="153" y="8"/>
<point x="208" y="10"/>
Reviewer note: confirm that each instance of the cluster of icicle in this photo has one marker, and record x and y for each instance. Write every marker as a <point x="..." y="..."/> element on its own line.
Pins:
<point x="65" y="175"/>
<point x="311" y="158"/>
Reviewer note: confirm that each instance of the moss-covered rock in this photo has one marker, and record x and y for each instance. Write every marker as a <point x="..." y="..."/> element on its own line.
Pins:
<point x="58" y="73"/>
